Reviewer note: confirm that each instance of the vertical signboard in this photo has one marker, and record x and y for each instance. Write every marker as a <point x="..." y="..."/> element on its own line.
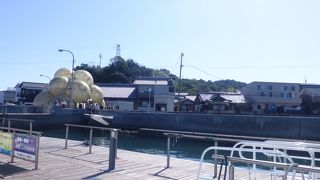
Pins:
<point x="25" y="146"/>
<point x="5" y="143"/>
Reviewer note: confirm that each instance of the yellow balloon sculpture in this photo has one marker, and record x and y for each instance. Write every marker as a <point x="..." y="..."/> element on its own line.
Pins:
<point x="80" y="89"/>
<point x="79" y="92"/>
<point x="57" y="86"/>
<point x="96" y="94"/>
<point x="42" y="99"/>
<point x="63" y="72"/>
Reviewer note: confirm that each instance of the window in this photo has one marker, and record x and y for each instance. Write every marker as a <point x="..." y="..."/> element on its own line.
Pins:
<point x="285" y="88"/>
<point x="259" y="87"/>
<point x="262" y="94"/>
<point x="293" y="88"/>
<point x="270" y="87"/>
<point x="289" y="95"/>
<point x="270" y="94"/>
<point x="258" y="106"/>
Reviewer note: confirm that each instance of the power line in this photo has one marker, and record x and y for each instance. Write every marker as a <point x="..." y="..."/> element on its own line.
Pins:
<point x="266" y="67"/>
<point x="205" y="72"/>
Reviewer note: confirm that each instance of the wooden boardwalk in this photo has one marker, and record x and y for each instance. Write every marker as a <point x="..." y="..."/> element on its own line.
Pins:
<point x="55" y="162"/>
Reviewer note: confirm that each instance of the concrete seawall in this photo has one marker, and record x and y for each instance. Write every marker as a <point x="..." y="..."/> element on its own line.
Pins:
<point x="291" y="127"/>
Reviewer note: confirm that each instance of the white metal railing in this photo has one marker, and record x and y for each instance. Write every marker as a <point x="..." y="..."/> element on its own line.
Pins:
<point x="262" y="151"/>
<point x="309" y="149"/>
<point x="285" y="166"/>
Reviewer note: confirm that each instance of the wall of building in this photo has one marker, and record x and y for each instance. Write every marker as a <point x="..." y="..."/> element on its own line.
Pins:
<point x="267" y="96"/>
<point x="7" y="97"/>
<point x="119" y="105"/>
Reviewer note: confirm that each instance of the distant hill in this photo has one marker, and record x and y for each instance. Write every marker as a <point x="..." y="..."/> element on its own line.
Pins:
<point x="125" y="71"/>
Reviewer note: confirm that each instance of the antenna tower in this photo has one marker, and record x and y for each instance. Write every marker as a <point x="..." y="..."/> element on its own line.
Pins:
<point x="118" y="50"/>
<point x="100" y="57"/>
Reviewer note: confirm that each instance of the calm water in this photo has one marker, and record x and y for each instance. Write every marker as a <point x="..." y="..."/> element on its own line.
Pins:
<point x="181" y="148"/>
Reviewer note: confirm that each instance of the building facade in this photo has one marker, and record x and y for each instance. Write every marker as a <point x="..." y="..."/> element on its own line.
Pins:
<point x="27" y="91"/>
<point x="145" y="94"/>
<point x="8" y="96"/>
<point x="219" y="102"/>
<point x="272" y="97"/>
<point x="155" y="94"/>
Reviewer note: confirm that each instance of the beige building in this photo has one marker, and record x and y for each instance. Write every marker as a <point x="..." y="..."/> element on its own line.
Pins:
<point x="272" y="96"/>
<point x="155" y="94"/>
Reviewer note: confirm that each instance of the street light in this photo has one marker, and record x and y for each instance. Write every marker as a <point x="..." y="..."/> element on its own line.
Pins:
<point x="41" y="75"/>
<point x="61" y="50"/>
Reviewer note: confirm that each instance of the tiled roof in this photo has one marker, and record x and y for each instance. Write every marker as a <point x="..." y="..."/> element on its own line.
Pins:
<point x="192" y="98"/>
<point x="151" y="82"/>
<point x="312" y="91"/>
<point x="32" y="85"/>
<point x="233" y="97"/>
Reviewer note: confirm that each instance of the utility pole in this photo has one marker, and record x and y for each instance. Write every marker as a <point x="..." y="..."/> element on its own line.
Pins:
<point x="181" y="56"/>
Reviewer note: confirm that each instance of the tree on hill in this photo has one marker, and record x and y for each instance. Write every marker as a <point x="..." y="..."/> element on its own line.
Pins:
<point x="120" y="70"/>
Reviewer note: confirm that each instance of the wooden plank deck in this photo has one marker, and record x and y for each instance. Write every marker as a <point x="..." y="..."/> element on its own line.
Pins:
<point x="55" y="162"/>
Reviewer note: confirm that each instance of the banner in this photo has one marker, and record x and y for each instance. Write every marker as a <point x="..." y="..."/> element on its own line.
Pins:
<point x="25" y="146"/>
<point x="5" y="143"/>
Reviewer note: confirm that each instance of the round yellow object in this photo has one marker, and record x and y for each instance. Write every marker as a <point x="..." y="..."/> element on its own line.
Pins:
<point x="79" y="92"/>
<point x="84" y="76"/>
<point x="96" y="94"/>
<point x="63" y="72"/>
<point x="57" y="86"/>
<point x="103" y="104"/>
<point x="42" y="99"/>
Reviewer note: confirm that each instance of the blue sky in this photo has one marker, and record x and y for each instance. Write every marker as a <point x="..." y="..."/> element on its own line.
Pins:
<point x="248" y="40"/>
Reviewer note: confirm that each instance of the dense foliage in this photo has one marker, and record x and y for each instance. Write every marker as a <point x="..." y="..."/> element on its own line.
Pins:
<point x="125" y="71"/>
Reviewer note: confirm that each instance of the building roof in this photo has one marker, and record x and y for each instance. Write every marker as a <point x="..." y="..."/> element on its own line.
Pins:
<point x="114" y="85"/>
<point x="264" y="82"/>
<point x="32" y="85"/>
<point x="232" y="97"/>
<point x="192" y="98"/>
<point x="311" y="91"/>
<point x="151" y="81"/>
<point x="118" y="92"/>
<point x="235" y="98"/>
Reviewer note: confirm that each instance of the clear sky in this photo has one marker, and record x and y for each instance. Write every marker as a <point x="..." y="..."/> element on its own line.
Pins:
<point x="247" y="40"/>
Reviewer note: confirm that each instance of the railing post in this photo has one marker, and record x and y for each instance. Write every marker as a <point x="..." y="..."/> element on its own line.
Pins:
<point x="168" y="151"/>
<point x="90" y="141"/>
<point x="12" y="148"/>
<point x="67" y="136"/>
<point x="30" y="124"/>
<point x="9" y="125"/>
<point x="37" y="153"/>
<point x="112" y="150"/>
<point x="254" y="166"/>
<point x="116" y="144"/>
<point x="231" y="171"/>
<point x="215" y="173"/>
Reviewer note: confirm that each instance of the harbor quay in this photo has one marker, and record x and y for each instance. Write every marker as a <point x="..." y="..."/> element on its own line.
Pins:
<point x="56" y="162"/>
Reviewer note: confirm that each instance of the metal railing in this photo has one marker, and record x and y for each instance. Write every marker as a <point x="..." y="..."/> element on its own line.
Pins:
<point x="113" y="141"/>
<point x="20" y="120"/>
<point x="287" y="167"/>
<point x="211" y="137"/>
<point x="7" y="109"/>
